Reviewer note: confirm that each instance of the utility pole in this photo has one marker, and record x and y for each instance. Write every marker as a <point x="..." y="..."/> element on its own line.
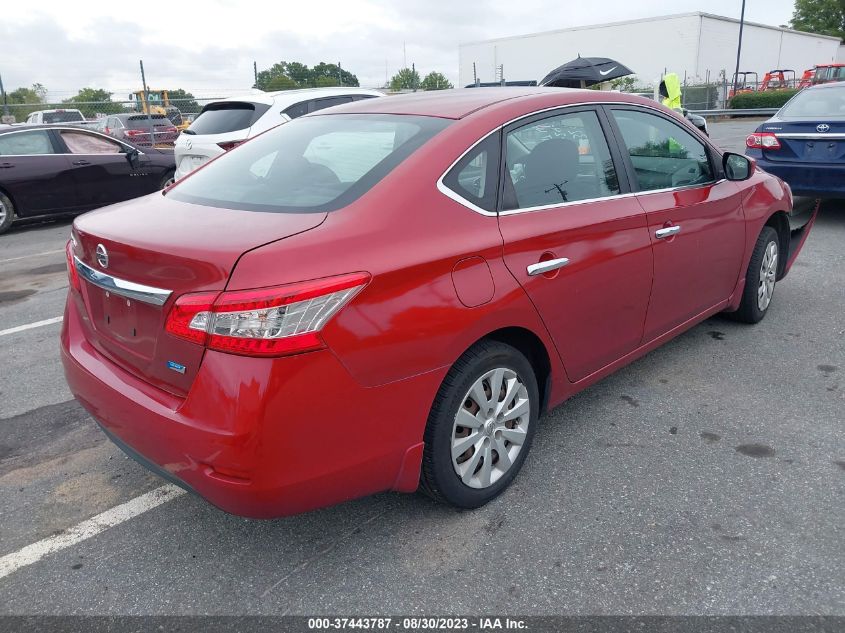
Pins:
<point x="404" y="56"/>
<point x="474" y="75"/>
<point x="414" y="77"/>
<point x="255" y="73"/>
<point x="739" y="45"/>
<point x="339" y="74"/>
<point x="146" y="90"/>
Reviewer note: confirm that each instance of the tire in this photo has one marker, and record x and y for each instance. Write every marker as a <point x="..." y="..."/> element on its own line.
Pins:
<point x="480" y="367"/>
<point x="760" y="278"/>
<point x="167" y="180"/>
<point x="7" y="213"/>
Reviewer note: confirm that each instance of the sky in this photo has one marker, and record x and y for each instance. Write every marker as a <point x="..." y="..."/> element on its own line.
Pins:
<point x="208" y="47"/>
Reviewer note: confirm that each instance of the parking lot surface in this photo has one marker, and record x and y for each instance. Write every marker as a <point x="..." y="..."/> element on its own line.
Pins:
<point x="706" y="478"/>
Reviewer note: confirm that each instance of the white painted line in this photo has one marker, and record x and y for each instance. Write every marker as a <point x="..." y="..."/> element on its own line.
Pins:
<point x="14" y="259"/>
<point x="30" y="554"/>
<point x="29" y="326"/>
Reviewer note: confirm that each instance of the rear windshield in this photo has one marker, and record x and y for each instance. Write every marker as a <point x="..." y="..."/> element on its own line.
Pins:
<point x="312" y="164"/>
<point x="816" y="103"/>
<point x="230" y="116"/>
<point x="139" y="119"/>
<point x="62" y="117"/>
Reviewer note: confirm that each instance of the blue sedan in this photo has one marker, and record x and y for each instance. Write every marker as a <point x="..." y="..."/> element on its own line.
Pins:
<point x="804" y="143"/>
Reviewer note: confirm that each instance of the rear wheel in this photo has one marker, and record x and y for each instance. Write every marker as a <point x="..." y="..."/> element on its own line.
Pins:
<point x="168" y="180"/>
<point x="760" y="278"/>
<point x="7" y="212"/>
<point x="480" y="428"/>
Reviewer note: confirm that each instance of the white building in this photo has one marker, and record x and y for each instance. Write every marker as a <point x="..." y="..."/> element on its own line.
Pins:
<point x="701" y="46"/>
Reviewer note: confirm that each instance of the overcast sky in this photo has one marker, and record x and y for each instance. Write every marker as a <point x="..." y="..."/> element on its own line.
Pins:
<point x="208" y="47"/>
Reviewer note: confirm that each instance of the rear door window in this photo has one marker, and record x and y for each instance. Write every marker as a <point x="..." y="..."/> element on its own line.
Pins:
<point x="227" y="116"/>
<point x="558" y="159"/>
<point x="328" y="102"/>
<point x="83" y="143"/>
<point x="26" y="143"/>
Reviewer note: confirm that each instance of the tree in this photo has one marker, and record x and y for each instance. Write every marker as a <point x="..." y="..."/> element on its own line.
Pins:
<point x="287" y="75"/>
<point x="826" y="17"/>
<point x="93" y="101"/>
<point x="405" y="79"/>
<point x="332" y="72"/>
<point x="185" y="101"/>
<point x="436" y="81"/>
<point x="33" y="98"/>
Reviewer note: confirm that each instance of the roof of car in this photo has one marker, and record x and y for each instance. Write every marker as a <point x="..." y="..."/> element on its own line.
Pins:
<point x="289" y="97"/>
<point x="832" y="84"/>
<point x="461" y="102"/>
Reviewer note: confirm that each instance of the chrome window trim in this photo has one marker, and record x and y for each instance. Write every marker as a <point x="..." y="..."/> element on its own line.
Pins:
<point x="836" y="136"/>
<point x="121" y="287"/>
<point x="441" y="186"/>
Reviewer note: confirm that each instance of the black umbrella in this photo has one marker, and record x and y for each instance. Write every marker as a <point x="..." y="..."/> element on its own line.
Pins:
<point x="585" y="71"/>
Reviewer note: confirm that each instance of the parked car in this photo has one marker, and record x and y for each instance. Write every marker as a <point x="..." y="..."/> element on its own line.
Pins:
<point x="67" y="116"/>
<point x="361" y="300"/>
<point x="56" y="170"/>
<point x="222" y="125"/>
<point x="135" y="128"/>
<point x="804" y="143"/>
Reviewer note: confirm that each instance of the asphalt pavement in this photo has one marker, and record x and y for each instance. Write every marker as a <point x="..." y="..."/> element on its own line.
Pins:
<point x="705" y="478"/>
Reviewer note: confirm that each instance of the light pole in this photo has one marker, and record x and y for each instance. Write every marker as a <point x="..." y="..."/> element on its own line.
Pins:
<point x="739" y="45"/>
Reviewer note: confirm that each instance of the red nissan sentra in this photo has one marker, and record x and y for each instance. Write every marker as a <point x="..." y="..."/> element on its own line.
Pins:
<point x="387" y="295"/>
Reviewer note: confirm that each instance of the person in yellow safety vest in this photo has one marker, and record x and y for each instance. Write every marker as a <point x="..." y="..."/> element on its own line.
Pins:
<point x="670" y="90"/>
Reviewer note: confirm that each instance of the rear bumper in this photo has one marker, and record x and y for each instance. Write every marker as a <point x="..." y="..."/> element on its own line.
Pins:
<point x="260" y="437"/>
<point x="801" y="220"/>
<point x="808" y="179"/>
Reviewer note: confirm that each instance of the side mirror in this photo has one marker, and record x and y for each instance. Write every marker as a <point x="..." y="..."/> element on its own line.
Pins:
<point x="134" y="157"/>
<point x="737" y="166"/>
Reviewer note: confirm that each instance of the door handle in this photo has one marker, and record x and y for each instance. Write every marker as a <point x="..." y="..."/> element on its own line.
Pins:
<point x="669" y="231"/>
<point x="81" y="162"/>
<point x="6" y="165"/>
<point x="544" y="267"/>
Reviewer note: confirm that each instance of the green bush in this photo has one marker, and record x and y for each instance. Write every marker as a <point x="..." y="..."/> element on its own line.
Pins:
<point x="768" y="99"/>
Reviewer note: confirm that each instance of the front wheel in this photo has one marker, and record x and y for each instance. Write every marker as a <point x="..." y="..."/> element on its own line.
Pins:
<point x="760" y="278"/>
<point x="480" y="427"/>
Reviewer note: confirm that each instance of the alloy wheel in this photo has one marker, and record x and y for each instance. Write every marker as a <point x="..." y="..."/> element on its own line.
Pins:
<point x="3" y="211"/>
<point x="768" y="273"/>
<point x="490" y="427"/>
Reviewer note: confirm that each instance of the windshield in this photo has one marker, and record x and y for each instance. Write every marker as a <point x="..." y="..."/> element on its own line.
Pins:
<point x="312" y="164"/>
<point x="828" y="102"/>
<point x="68" y="116"/>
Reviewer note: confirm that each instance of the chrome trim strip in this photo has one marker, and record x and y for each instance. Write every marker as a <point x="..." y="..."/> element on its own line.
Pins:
<point x="669" y="231"/>
<point x="127" y="289"/>
<point x="441" y="186"/>
<point x="545" y="267"/>
<point x="812" y="136"/>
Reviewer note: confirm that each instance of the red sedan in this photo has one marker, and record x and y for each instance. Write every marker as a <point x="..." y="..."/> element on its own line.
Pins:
<point x="387" y="295"/>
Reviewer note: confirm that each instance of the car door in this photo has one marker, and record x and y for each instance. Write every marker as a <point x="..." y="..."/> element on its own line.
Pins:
<point x="35" y="174"/>
<point x="695" y="218"/>
<point x="574" y="240"/>
<point x="101" y="169"/>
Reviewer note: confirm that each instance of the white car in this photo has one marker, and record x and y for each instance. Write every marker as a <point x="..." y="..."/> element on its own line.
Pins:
<point x="67" y="116"/>
<point x="222" y="125"/>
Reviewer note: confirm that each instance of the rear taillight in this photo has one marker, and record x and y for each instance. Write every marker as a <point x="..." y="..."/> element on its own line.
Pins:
<point x="762" y="140"/>
<point x="134" y="133"/>
<point x="170" y="130"/>
<point x="227" y="145"/>
<point x="72" y="273"/>
<point x="265" y="321"/>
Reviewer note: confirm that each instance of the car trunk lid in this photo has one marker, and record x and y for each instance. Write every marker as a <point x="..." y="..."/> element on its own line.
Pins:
<point x="807" y="141"/>
<point x="149" y="257"/>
